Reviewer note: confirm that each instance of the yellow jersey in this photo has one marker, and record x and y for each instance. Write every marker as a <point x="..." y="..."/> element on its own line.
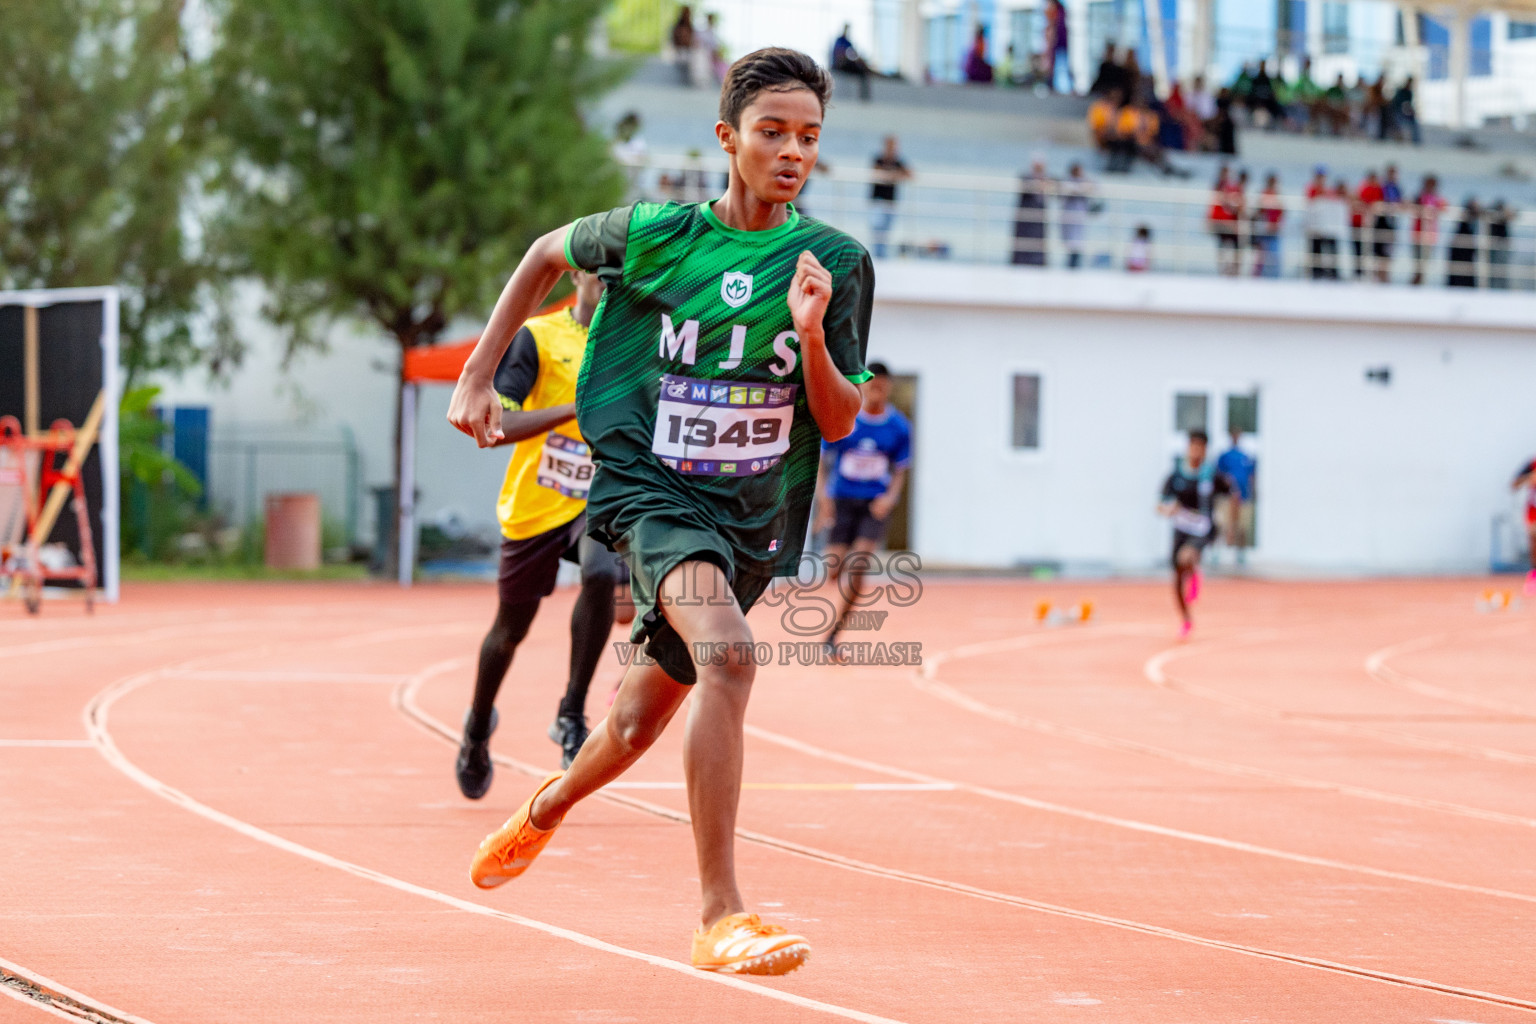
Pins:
<point x="549" y="474"/>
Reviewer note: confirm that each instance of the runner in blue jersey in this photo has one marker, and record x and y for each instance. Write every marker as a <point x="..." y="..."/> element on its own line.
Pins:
<point x="861" y="480"/>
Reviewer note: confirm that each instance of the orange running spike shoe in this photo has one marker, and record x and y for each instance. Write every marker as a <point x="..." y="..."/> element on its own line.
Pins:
<point x="742" y="944"/>
<point x="508" y="852"/>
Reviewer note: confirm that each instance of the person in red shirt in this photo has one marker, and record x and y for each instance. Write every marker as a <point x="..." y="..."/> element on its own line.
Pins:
<point x="1428" y="205"/>
<point x="1267" y="215"/>
<point x="1226" y="217"/>
<point x="1367" y="200"/>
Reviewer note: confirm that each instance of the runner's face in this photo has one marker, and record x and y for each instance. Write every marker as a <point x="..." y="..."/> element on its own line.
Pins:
<point x="1196" y="454"/>
<point x="775" y="147"/>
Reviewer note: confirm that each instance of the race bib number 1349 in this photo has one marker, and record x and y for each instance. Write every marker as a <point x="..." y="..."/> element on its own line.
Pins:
<point x="722" y="428"/>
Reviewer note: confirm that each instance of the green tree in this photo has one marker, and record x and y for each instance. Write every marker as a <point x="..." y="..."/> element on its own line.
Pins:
<point x="392" y="159"/>
<point x="98" y="165"/>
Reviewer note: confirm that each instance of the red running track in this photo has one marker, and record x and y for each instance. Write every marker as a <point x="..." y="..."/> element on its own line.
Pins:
<point x="236" y="803"/>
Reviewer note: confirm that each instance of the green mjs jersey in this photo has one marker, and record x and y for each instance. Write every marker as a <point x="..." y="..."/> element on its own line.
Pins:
<point x="691" y="393"/>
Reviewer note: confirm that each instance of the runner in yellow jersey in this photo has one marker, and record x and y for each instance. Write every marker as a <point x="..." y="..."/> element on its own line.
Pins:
<point x="542" y="511"/>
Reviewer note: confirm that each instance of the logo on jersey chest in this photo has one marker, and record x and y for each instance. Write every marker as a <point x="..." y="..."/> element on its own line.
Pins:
<point x="735" y="289"/>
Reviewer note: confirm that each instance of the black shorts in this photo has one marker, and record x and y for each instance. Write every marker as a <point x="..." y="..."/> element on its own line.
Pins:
<point x="1182" y="540"/>
<point x="530" y="566"/>
<point x="654" y="545"/>
<point x="854" y="521"/>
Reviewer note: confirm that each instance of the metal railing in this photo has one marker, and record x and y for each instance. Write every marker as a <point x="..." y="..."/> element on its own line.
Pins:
<point x="994" y="219"/>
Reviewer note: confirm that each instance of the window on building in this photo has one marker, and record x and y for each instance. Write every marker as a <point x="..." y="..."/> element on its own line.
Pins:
<point x="1190" y="412"/>
<point x="1106" y="24"/>
<point x="1026" y="411"/>
<point x="1243" y="413"/>
<point x="944" y="48"/>
<point x="1026" y="31"/>
<point x="1335" y="28"/>
<point x="1522" y="30"/>
<point x="1291" y="26"/>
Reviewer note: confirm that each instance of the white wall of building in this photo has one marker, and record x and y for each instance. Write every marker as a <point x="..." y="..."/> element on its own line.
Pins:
<point x="1354" y="477"/>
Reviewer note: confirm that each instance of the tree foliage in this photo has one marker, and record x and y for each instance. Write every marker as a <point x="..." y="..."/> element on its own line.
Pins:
<point x="97" y="166"/>
<point x="391" y="159"/>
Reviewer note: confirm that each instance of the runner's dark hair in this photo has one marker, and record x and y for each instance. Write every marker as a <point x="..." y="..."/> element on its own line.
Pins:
<point x="1200" y="435"/>
<point x="772" y="69"/>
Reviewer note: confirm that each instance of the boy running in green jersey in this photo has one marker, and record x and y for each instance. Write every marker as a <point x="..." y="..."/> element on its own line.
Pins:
<point x="729" y="343"/>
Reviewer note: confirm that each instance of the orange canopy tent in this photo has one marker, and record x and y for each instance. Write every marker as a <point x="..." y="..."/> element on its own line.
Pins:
<point x="441" y="364"/>
<point x="429" y="364"/>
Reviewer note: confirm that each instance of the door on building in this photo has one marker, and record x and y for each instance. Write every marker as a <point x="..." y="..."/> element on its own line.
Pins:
<point x="1219" y="411"/>
<point x="898" y="535"/>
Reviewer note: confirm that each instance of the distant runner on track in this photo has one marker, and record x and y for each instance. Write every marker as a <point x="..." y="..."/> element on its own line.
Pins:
<point x="1526" y="478"/>
<point x="1189" y="496"/>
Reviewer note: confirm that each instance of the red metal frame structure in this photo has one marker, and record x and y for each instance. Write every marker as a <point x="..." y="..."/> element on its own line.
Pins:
<point x="40" y="463"/>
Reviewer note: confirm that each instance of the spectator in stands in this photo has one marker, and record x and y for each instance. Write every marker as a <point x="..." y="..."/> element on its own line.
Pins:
<point x="847" y="60"/>
<point x="1226" y="216"/>
<point x="1373" y="108"/>
<point x="1008" y="72"/>
<point x="1499" y="217"/>
<point x="1428" y="205"/>
<point x="1135" y="82"/>
<point x="1104" y="125"/>
<point x="1404" y="112"/>
<point x="1110" y="76"/>
<point x="1302" y="104"/>
<point x="1384" y="227"/>
<point x="1029" y="218"/>
<point x="1327" y="221"/>
<point x="683" y="39"/>
<point x="1077" y="202"/>
<point x="630" y="151"/>
<point x="1263" y="98"/>
<point x="1181" y="129"/>
<point x="1202" y="103"/>
<point x="1138" y="255"/>
<point x="1461" y="257"/>
<point x="1139" y="125"/>
<point x="1222" y="129"/>
<point x="977" y="70"/>
<point x="1333" y="107"/>
<point x="888" y="169"/>
<point x="1242" y="85"/>
<point x="1267" y="214"/>
<point x="709" y="65"/>
<point x="1366" y="200"/>
<point x="1058" y="60"/>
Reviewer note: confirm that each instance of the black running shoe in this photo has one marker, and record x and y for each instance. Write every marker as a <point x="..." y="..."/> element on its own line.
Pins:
<point x="474" y="767"/>
<point x="570" y="732"/>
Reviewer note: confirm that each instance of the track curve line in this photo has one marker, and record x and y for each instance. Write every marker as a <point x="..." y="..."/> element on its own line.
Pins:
<point x="926" y="681"/>
<point x="1155" y="672"/>
<point x="404" y="701"/>
<point x="97" y="717"/>
<point x="1377" y="668"/>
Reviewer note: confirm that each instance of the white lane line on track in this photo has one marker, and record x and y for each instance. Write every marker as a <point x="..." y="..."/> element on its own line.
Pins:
<point x="927" y="682"/>
<point x="830" y="787"/>
<point x="405" y="702"/>
<point x="285" y="676"/>
<point x="1376" y="666"/>
<point x="1155" y="671"/>
<point x="61" y="1009"/>
<point x="47" y="743"/>
<point x="97" y="722"/>
<point x="1132" y="824"/>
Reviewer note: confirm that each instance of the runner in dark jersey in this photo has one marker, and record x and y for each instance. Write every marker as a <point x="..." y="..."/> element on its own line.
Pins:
<point x="1189" y="496"/>
<point x="729" y="344"/>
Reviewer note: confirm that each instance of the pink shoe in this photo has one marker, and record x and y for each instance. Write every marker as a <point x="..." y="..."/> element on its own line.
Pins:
<point x="1184" y="629"/>
<point x="1192" y="593"/>
<point x="1530" y="583"/>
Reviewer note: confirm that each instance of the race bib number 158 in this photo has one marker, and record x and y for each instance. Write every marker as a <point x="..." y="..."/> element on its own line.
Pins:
<point x="565" y="465"/>
<point x="722" y="428"/>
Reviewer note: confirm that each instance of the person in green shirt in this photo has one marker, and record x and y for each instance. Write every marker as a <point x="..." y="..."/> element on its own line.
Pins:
<point x="729" y="343"/>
